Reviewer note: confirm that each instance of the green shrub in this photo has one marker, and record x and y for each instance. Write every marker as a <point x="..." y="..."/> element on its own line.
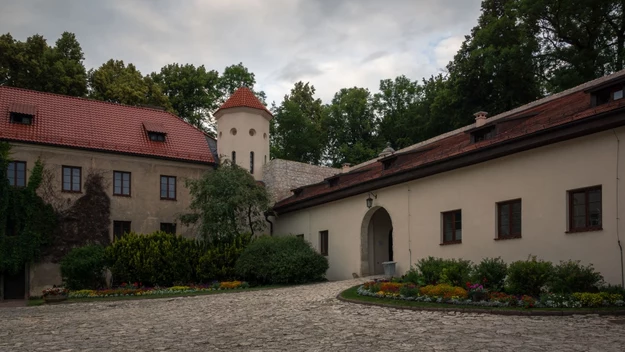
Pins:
<point x="589" y="299"/>
<point x="570" y="276"/>
<point x="431" y="269"/>
<point x="281" y="260"/>
<point x="491" y="273"/>
<point x="617" y="289"/>
<point x="413" y="276"/>
<point x="155" y="259"/>
<point x="409" y="290"/>
<point x="456" y="272"/>
<point x="83" y="268"/>
<point x="217" y="262"/>
<point x="528" y="276"/>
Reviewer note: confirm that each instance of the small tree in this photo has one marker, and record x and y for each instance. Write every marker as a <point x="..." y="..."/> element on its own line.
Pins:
<point x="226" y="202"/>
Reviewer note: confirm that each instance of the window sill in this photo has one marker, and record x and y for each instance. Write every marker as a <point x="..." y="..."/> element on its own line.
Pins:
<point x="507" y="238"/>
<point x="451" y="242"/>
<point x="171" y="199"/>
<point x="591" y="229"/>
<point x="76" y="192"/>
<point x="122" y="195"/>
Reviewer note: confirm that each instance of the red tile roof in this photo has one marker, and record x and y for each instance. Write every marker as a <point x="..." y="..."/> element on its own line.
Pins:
<point x="520" y="123"/>
<point x="83" y="123"/>
<point x="243" y="97"/>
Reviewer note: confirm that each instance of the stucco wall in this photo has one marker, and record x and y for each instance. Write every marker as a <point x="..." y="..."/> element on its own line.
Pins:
<point x="540" y="177"/>
<point x="244" y="120"/>
<point x="281" y="176"/>
<point x="144" y="208"/>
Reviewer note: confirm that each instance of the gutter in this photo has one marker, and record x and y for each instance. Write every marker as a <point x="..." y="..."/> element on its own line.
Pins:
<point x="597" y="123"/>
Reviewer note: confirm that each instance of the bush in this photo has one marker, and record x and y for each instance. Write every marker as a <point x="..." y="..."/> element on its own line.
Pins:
<point x="589" y="299"/>
<point x="456" y="272"/>
<point x="281" y="260"/>
<point x="570" y="276"/>
<point x="528" y="276"/>
<point x="449" y="271"/>
<point x="83" y="268"/>
<point x="409" y="290"/>
<point x="618" y="289"/>
<point x="218" y="261"/>
<point x="491" y="273"/>
<point x="431" y="269"/>
<point x="155" y="259"/>
<point x="413" y="276"/>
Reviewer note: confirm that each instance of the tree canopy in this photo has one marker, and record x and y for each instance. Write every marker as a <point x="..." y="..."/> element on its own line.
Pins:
<point x="226" y="202"/>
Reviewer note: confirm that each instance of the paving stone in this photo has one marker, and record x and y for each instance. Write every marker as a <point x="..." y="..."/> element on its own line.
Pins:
<point x="304" y="318"/>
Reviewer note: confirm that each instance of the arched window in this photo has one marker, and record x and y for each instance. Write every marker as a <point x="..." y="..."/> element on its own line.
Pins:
<point x="234" y="157"/>
<point x="251" y="162"/>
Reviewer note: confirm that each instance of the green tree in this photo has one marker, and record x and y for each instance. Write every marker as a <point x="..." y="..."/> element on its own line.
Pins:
<point x="396" y="106"/>
<point x="115" y="82"/>
<point x="352" y="128"/>
<point x="226" y="202"/>
<point x="297" y="129"/>
<point x="235" y="77"/>
<point x="580" y="39"/>
<point x="35" y="65"/>
<point x="192" y="91"/>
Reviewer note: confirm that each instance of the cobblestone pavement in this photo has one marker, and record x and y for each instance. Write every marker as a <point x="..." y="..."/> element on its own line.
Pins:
<point x="305" y="318"/>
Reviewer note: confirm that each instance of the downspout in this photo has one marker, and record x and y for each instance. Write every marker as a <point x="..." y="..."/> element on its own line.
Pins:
<point x="409" y="234"/>
<point x="618" y="237"/>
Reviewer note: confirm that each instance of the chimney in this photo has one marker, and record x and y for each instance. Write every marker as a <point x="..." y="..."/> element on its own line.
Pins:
<point x="480" y="118"/>
<point x="345" y="167"/>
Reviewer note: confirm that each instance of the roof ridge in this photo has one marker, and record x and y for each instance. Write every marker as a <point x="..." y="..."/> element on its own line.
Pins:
<point x="499" y="116"/>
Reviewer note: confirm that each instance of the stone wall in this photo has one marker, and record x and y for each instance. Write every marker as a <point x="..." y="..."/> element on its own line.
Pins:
<point x="281" y="176"/>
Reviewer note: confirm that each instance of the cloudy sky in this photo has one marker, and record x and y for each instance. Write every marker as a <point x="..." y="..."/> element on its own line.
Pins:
<point x="331" y="43"/>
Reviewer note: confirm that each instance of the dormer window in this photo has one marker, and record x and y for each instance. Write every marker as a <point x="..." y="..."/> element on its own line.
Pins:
<point x="24" y="119"/>
<point x="156" y="131"/>
<point x="297" y="192"/>
<point x="605" y="94"/>
<point x="333" y="181"/>
<point x="483" y="134"/>
<point x="22" y="113"/>
<point x="156" y="137"/>
<point x="388" y="162"/>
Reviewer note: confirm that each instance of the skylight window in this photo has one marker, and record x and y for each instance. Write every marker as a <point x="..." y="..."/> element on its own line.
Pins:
<point x="483" y="134"/>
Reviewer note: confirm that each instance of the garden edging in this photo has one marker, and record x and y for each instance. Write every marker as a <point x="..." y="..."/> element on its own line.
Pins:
<point x="487" y="310"/>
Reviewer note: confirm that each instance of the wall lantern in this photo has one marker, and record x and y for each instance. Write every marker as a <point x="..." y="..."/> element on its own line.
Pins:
<point x="370" y="200"/>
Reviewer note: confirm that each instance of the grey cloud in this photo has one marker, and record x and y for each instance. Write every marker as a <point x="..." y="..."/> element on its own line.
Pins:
<point x="334" y="43"/>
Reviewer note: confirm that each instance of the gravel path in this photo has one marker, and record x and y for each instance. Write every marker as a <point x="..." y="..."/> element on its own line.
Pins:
<point x="305" y="318"/>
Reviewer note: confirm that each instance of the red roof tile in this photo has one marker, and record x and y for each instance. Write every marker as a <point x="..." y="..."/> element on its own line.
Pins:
<point x="243" y="97"/>
<point x="84" y="123"/>
<point x="565" y="109"/>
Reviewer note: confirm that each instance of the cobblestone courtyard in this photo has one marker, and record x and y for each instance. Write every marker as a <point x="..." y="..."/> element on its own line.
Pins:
<point x="306" y="318"/>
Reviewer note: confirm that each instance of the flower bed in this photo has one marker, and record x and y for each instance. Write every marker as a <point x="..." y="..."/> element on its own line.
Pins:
<point x="137" y="290"/>
<point x="447" y="294"/>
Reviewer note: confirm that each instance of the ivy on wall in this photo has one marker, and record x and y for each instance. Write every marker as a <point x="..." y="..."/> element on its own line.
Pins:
<point x="84" y="222"/>
<point x="26" y="221"/>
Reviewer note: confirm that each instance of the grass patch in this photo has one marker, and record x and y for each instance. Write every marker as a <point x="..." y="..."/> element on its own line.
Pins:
<point x="40" y="301"/>
<point x="352" y="294"/>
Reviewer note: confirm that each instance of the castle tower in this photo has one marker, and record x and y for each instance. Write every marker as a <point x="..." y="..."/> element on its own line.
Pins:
<point x="243" y="131"/>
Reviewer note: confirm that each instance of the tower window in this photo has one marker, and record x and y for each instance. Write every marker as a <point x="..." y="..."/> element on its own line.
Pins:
<point x="252" y="132"/>
<point x="233" y="131"/>
<point x="234" y="157"/>
<point x="252" y="163"/>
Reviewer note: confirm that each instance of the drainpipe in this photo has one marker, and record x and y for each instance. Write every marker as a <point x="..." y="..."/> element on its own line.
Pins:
<point x="409" y="234"/>
<point x="618" y="238"/>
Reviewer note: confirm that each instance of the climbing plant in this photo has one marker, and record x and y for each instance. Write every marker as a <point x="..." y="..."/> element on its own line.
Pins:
<point x="26" y="221"/>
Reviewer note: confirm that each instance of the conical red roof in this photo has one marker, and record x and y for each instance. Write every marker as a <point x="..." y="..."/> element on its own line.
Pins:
<point x="243" y="97"/>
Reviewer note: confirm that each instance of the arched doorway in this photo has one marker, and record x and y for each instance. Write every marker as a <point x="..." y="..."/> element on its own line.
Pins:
<point x="376" y="241"/>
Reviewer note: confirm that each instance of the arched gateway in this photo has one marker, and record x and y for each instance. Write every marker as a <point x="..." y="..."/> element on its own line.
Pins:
<point x="376" y="241"/>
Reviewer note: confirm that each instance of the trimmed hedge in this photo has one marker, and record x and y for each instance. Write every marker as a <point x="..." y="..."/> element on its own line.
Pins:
<point x="154" y="259"/>
<point x="83" y="268"/>
<point x="218" y="262"/>
<point x="281" y="260"/>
